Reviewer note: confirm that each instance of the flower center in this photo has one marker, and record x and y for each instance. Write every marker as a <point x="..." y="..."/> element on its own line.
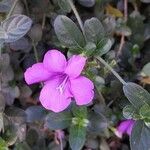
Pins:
<point x="63" y="84"/>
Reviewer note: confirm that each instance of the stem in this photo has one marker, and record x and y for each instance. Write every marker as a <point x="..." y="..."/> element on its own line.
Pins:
<point x="35" y="52"/>
<point x="100" y="96"/>
<point x="111" y="69"/>
<point x="61" y="144"/>
<point x="122" y="41"/>
<point x="77" y="15"/>
<point x="26" y="6"/>
<point x="43" y="21"/>
<point x="125" y="10"/>
<point x="12" y="8"/>
<point x="36" y="57"/>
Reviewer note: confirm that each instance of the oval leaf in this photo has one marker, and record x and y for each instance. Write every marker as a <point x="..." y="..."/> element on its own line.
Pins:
<point x="77" y="136"/>
<point x="136" y="94"/>
<point x="146" y="70"/>
<point x="35" y="113"/>
<point x="94" y="30"/>
<point x="145" y="111"/>
<point x="56" y="121"/>
<point x="128" y="111"/>
<point x="68" y="33"/>
<point x="64" y="5"/>
<point x="16" y="27"/>
<point x="87" y="3"/>
<point x="104" y="46"/>
<point x="139" y="139"/>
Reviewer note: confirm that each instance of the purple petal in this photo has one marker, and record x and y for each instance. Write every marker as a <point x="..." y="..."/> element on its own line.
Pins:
<point x="52" y="99"/>
<point x="129" y="130"/>
<point x="54" y="61"/>
<point x="123" y="126"/>
<point x="75" y="65"/>
<point x="36" y="73"/>
<point x="82" y="90"/>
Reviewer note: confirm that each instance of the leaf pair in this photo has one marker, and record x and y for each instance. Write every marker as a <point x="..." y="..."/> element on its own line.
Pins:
<point x="93" y="41"/>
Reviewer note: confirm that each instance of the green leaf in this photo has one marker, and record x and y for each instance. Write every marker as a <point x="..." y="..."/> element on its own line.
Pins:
<point x="22" y="146"/>
<point x="123" y="30"/>
<point x="10" y="134"/>
<point x="147" y="122"/>
<point x="146" y="70"/>
<point x="64" y="5"/>
<point x="16" y="27"/>
<point x="94" y="30"/>
<point x="104" y="46"/>
<point x="1" y="122"/>
<point x="16" y="114"/>
<point x="136" y="95"/>
<point x="90" y="48"/>
<point x="2" y="103"/>
<point x="5" y="5"/>
<point x="3" y="145"/>
<point x="68" y="33"/>
<point x="79" y="111"/>
<point x="35" y="113"/>
<point x="77" y="137"/>
<point x="60" y="120"/>
<point x="2" y="35"/>
<point x="87" y="3"/>
<point x="98" y="123"/>
<point x="139" y="139"/>
<point x="32" y="137"/>
<point x="128" y="111"/>
<point x="145" y="111"/>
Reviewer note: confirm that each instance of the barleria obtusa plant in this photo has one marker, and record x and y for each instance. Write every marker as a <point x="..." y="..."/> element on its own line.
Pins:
<point x="78" y="101"/>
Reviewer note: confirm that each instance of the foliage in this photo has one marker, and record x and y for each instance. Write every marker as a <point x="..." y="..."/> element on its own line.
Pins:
<point x="111" y="40"/>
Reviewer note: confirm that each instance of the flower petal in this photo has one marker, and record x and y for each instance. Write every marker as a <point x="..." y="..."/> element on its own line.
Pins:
<point x="75" y="65"/>
<point x="36" y="73"/>
<point x="82" y="90"/>
<point x="54" y="61"/>
<point x="52" y="99"/>
<point x="123" y="126"/>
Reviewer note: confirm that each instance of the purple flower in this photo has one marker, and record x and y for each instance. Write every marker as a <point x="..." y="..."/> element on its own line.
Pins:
<point x="125" y="127"/>
<point x="62" y="81"/>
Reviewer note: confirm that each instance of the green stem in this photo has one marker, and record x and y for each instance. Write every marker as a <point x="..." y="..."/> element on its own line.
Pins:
<point x="35" y="52"/>
<point x="36" y="56"/>
<point x="111" y="69"/>
<point x="12" y="8"/>
<point x="26" y="6"/>
<point x="77" y="15"/>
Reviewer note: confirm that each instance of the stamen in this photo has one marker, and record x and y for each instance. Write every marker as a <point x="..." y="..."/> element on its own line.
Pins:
<point x="61" y="87"/>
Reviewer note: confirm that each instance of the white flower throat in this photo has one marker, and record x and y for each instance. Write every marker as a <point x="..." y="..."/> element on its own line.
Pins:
<point x="63" y="84"/>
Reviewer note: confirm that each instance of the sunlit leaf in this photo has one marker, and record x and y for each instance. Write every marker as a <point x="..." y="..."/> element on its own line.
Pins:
<point x="94" y="30"/>
<point x="68" y="33"/>
<point x="77" y="135"/>
<point x="64" y="5"/>
<point x="3" y="145"/>
<point x="146" y="70"/>
<point x="136" y="95"/>
<point x="16" y="27"/>
<point x="113" y="11"/>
